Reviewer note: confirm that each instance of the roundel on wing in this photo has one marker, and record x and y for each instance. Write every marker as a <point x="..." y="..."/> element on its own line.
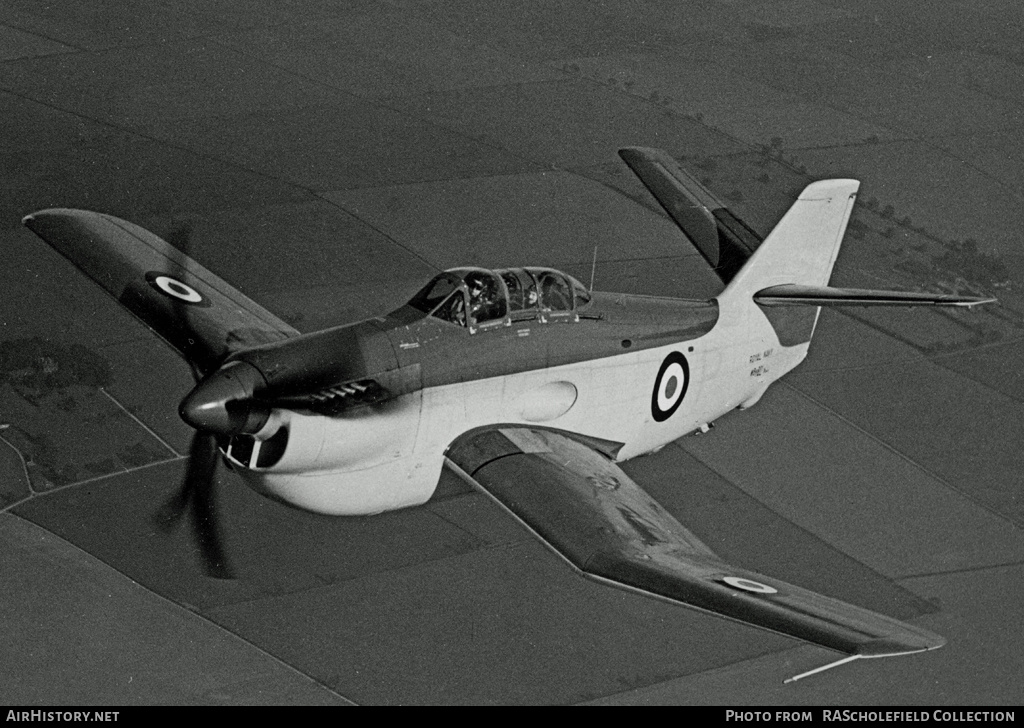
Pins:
<point x="749" y="585"/>
<point x="170" y="286"/>
<point x="670" y="386"/>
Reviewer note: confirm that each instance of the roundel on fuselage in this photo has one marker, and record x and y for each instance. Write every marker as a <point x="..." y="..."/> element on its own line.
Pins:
<point x="670" y="386"/>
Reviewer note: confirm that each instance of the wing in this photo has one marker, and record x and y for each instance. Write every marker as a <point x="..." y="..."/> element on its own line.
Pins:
<point x="725" y="241"/>
<point x="195" y="311"/>
<point x="589" y="511"/>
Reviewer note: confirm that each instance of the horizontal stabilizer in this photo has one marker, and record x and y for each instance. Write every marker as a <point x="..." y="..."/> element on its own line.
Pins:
<point x="796" y="295"/>
<point x="720" y="237"/>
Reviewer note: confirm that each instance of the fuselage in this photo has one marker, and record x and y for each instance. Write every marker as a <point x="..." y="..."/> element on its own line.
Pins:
<point x="637" y="372"/>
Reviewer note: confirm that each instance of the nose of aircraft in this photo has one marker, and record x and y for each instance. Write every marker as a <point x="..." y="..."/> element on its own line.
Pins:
<point x="224" y="403"/>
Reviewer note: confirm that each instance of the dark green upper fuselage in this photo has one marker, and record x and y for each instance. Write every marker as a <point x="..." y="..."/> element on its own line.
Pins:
<point x="408" y="349"/>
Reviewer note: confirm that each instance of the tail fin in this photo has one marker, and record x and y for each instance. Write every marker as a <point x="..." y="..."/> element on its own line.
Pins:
<point x="803" y="247"/>
<point x="792" y="267"/>
<point x="788" y="275"/>
<point x="794" y="263"/>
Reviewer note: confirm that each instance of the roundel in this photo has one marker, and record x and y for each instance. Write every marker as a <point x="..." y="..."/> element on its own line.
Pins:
<point x="175" y="289"/>
<point x="670" y="386"/>
<point x="749" y="585"/>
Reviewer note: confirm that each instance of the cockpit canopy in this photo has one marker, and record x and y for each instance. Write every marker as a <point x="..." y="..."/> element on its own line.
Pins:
<point x="478" y="298"/>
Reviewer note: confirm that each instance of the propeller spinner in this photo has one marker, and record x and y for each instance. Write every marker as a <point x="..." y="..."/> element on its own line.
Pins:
<point x="224" y="403"/>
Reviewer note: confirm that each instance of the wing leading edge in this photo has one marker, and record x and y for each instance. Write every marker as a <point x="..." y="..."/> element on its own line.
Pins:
<point x="191" y="308"/>
<point x="590" y="512"/>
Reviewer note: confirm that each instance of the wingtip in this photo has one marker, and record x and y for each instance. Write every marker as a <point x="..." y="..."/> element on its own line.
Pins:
<point x="66" y="211"/>
<point x="39" y="216"/>
<point x="626" y="152"/>
<point x="909" y="642"/>
<point x="976" y="302"/>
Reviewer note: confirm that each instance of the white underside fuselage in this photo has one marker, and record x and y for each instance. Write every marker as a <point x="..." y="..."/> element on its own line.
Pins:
<point x="374" y="459"/>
